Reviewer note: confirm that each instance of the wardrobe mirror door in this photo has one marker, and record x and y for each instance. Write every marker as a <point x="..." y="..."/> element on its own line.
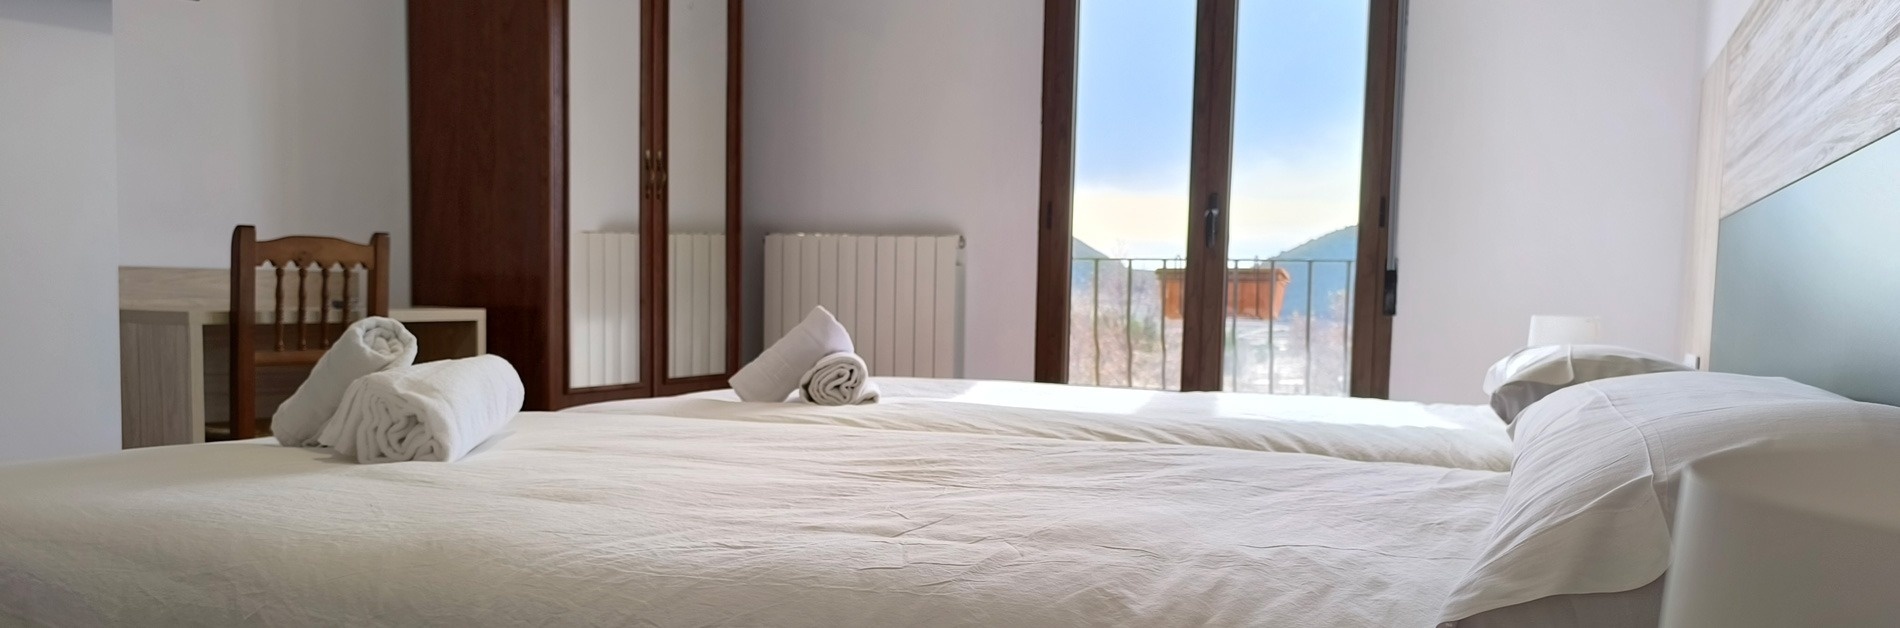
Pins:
<point x="604" y="192"/>
<point x="695" y="167"/>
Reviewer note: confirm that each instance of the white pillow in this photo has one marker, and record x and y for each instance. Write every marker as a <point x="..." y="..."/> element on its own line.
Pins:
<point x="1593" y="489"/>
<point x="775" y="373"/>
<point x="1531" y="373"/>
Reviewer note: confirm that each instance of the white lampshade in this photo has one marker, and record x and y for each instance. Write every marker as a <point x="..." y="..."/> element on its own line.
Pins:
<point x="1564" y="330"/>
<point x="1779" y="537"/>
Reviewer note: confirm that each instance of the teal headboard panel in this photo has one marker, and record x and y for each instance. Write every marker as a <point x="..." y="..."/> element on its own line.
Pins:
<point x="1808" y="280"/>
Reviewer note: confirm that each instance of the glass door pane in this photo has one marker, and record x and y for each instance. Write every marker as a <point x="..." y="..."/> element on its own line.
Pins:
<point x="694" y="187"/>
<point x="1133" y="127"/>
<point x="604" y="186"/>
<point x="1299" y="118"/>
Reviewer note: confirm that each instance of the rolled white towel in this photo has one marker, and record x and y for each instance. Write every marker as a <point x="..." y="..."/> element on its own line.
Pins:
<point x="839" y="379"/>
<point x="776" y="372"/>
<point x="431" y="411"/>
<point x="367" y="346"/>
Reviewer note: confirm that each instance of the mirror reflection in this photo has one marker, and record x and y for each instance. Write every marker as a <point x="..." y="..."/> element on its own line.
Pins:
<point x="695" y="166"/>
<point x="603" y="62"/>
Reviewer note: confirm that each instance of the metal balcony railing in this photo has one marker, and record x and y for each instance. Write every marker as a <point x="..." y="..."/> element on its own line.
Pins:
<point x="1288" y="324"/>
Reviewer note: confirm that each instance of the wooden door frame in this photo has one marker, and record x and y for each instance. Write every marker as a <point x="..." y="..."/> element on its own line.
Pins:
<point x="665" y="385"/>
<point x="1376" y="286"/>
<point x="655" y="16"/>
<point x="652" y="38"/>
<point x="1209" y="174"/>
<point x="1210" y="184"/>
<point x="655" y="137"/>
<point x="1060" y="30"/>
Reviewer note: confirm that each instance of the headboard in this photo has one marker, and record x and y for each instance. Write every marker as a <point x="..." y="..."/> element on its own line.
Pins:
<point x="1808" y="280"/>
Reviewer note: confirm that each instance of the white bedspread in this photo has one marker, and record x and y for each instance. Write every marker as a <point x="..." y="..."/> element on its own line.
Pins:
<point x="1467" y="437"/>
<point x="592" y="520"/>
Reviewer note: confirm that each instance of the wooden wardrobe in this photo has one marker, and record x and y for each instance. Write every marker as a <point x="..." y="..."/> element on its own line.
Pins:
<point x="575" y="170"/>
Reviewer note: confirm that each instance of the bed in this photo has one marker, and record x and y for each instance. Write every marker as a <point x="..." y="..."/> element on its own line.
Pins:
<point x="597" y="519"/>
<point x="949" y="503"/>
<point x="696" y="511"/>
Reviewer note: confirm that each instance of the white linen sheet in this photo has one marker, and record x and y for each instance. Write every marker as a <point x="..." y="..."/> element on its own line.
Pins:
<point x="597" y="520"/>
<point x="1461" y="436"/>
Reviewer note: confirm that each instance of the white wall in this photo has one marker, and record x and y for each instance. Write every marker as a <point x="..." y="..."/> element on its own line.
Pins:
<point x="1547" y="169"/>
<point x="288" y="114"/>
<point x="58" y="232"/>
<point x="904" y="116"/>
<point x="1719" y="19"/>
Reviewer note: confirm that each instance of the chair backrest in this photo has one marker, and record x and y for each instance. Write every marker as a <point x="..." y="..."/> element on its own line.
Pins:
<point x="286" y="339"/>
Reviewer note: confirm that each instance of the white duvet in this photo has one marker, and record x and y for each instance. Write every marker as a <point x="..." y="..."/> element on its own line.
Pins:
<point x="1462" y="436"/>
<point x="598" y="520"/>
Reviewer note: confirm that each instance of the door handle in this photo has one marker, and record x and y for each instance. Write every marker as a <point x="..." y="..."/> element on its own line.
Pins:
<point x="646" y="174"/>
<point x="659" y="169"/>
<point x="1210" y="219"/>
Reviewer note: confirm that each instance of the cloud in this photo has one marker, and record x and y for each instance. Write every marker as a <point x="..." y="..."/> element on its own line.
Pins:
<point x="1277" y="204"/>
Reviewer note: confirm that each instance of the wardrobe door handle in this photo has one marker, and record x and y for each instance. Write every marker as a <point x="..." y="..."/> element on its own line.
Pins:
<point x="646" y="174"/>
<point x="659" y="166"/>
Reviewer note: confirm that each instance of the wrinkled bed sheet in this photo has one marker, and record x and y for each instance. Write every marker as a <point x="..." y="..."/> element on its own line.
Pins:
<point x="1463" y="436"/>
<point x="602" y="520"/>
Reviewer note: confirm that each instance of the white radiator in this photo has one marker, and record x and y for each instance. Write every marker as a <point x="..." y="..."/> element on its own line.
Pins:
<point x="604" y="307"/>
<point x="901" y="297"/>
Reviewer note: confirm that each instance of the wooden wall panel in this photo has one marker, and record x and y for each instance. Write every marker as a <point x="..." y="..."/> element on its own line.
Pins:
<point x="1808" y="81"/>
<point x="487" y="215"/>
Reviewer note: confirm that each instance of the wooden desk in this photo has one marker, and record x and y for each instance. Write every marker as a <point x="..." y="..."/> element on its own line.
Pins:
<point x="174" y="356"/>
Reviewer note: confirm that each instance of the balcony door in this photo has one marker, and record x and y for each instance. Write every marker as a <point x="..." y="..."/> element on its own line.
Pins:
<point x="1216" y="185"/>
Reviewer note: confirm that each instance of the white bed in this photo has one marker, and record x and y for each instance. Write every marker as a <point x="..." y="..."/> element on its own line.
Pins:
<point x="1461" y="436"/>
<point x="592" y="519"/>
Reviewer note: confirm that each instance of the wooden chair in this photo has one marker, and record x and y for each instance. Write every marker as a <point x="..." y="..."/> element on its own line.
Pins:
<point x="298" y="347"/>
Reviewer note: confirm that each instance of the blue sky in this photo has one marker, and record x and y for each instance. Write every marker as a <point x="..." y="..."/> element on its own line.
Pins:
<point x="1298" y="113"/>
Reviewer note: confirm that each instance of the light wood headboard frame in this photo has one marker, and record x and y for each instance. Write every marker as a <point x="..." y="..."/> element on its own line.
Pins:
<point x="1801" y="84"/>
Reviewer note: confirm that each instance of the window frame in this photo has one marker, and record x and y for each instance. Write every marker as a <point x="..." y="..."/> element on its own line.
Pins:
<point x="1376" y="279"/>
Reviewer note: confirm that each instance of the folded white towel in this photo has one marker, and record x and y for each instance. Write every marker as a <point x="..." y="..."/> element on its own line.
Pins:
<point x="839" y="379"/>
<point x="431" y="411"/>
<point x="367" y="346"/>
<point x="776" y="372"/>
